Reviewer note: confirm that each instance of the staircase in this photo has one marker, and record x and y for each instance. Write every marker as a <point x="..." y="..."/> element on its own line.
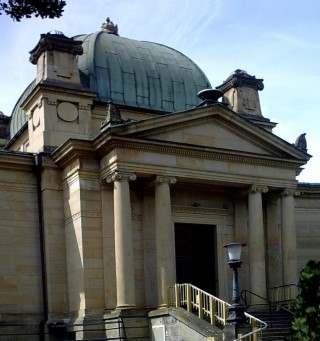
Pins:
<point x="279" y="322"/>
<point x="270" y="321"/>
<point x="211" y="309"/>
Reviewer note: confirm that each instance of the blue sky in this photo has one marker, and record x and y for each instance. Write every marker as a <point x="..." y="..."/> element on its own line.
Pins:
<point x="278" y="41"/>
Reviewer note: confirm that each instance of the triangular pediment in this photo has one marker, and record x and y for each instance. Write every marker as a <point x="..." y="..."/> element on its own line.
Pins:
<point x="213" y="128"/>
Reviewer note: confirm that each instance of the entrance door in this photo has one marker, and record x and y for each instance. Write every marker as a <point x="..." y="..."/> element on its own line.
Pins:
<point x="195" y="256"/>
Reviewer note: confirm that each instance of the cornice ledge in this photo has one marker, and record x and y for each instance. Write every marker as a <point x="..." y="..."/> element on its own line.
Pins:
<point x="10" y="159"/>
<point x="262" y="134"/>
<point x="309" y="190"/>
<point x="73" y="149"/>
<point x="198" y="152"/>
<point x="61" y="89"/>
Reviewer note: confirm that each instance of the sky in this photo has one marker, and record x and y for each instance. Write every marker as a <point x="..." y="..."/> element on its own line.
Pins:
<point x="278" y="41"/>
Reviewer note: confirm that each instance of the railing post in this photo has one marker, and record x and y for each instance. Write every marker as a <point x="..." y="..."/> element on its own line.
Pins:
<point x="290" y="292"/>
<point x="177" y="295"/>
<point x="224" y="313"/>
<point x="212" y="311"/>
<point x="200" y="304"/>
<point x="253" y="326"/>
<point x="189" y="298"/>
<point x="290" y="296"/>
<point x="169" y="298"/>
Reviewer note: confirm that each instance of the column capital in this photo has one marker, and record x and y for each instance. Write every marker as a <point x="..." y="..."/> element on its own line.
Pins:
<point x="165" y="179"/>
<point x="119" y="175"/>
<point x="289" y="192"/>
<point x="256" y="189"/>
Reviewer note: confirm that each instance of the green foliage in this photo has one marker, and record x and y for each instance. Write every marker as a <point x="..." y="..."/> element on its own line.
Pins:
<point x="306" y="321"/>
<point x="18" y="9"/>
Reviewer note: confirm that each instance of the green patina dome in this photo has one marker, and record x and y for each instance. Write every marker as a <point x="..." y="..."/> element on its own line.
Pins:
<point x="140" y="74"/>
<point x="133" y="73"/>
<point x="18" y="117"/>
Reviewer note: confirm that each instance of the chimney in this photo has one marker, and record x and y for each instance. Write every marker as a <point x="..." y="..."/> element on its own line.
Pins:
<point x="240" y="93"/>
<point x="55" y="57"/>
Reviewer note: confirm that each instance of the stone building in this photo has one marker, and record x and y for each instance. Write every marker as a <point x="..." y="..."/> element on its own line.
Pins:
<point x="126" y="172"/>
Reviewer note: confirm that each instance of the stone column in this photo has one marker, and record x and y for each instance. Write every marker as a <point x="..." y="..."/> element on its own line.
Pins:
<point x="165" y="241"/>
<point x="288" y="238"/>
<point x="256" y="243"/>
<point x="123" y="239"/>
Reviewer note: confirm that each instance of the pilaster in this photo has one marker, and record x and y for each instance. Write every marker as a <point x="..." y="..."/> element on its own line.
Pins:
<point x="109" y="267"/>
<point x="83" y="233"/>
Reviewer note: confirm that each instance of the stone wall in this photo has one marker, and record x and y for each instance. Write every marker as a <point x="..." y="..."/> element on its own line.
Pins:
<point x="20" y="250"/>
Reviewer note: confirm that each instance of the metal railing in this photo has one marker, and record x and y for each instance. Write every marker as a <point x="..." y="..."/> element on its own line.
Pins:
<point x="210" y="308"/>
<point x="247" y="302"/>
<point x="106" y="330"/>
<point x="16" y="331"/>
<point x="281" y="298"/>
<point x="284" y="295"/>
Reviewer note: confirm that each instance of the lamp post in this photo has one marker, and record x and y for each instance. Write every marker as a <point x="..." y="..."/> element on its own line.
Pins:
<point x="236" y="311"/>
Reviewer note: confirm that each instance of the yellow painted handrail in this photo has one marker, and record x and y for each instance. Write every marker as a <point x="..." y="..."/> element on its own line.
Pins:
<point x="209" y="307"/>
<point x="284" y="294"/>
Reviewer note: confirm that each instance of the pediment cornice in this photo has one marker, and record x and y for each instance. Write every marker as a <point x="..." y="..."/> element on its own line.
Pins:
<point x="201" y="152"/>
<point x="219" y="115"/>
<point x="104" y="144"/>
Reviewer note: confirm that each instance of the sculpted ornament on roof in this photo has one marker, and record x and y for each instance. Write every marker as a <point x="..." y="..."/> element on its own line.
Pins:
<point x="301" y="142"/>
<point x="109" y="27"/>
<point x="113" y="116"/>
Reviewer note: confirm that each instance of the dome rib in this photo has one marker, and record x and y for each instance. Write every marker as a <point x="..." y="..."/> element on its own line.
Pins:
<point x="140" y="74"/>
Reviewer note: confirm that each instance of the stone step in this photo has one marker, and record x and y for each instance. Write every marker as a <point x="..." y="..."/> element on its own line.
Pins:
<point x="279" y="323"/>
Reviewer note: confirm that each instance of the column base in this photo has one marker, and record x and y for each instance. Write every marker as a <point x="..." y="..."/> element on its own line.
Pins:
<point x="125" y="306"/>
<point x="162" y="306"/>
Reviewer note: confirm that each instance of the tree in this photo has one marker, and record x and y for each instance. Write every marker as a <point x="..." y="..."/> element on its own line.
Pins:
<point x="18" y="9"/>
<point x="306" y="320"/>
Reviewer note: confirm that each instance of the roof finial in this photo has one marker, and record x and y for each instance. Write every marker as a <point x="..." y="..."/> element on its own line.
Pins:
<point x="109" y="27"/>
